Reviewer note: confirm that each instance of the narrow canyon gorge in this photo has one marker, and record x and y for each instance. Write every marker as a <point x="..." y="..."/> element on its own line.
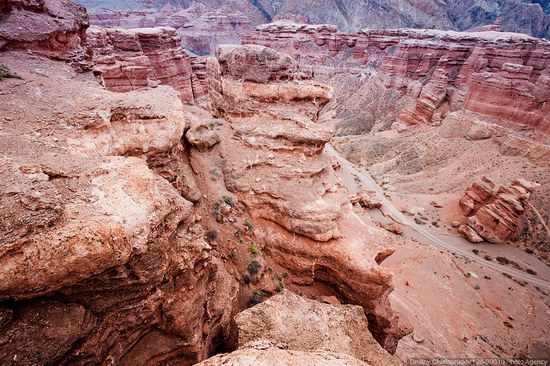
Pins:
<point x="274" y="182"/>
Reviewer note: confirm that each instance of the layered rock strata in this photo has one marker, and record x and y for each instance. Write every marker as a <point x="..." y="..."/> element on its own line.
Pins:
<point x="493" y="212"/>
<point x="102" y="258"/>
<point x="500" y="77"/>
<point x="274" y="162"/>
<point x="53" y="28"/>
<point x="289" y="328"/>
<point x="133" y="59"/>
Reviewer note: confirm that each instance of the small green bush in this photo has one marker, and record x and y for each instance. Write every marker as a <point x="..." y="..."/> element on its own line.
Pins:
<point x="254" y="250"/>
<point x="256" y="297"/>
<point x="6" y="73"/>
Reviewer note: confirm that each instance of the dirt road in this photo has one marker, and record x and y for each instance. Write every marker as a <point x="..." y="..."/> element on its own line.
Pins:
<point x="452" y="244"/>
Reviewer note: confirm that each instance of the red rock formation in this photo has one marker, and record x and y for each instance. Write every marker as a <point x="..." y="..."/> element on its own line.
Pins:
<point x="203" y="34"/>
<point x="275" y="164"/>
<point x="349" y="15"/>
<point x="200" y="76"/>
<point x="55" y="28"/>
<point x="501" y="77"/>
<point x="101" y="258"/>
<point x="146" y="57"/>
<point x="292" y="323"/>
<point x="493" y="214"/>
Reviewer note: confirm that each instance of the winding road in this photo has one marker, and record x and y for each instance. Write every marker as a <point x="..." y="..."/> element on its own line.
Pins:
<point x="420" y="233"/>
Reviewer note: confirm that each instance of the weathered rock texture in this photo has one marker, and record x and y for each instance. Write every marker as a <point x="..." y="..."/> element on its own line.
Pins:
<point x="493" y="212"/>
<point x="289" y="328"/>
<point x="349" y="15"/>
<point x="241" y="92"/>
<point x="274" y="162"/>
<point x="55" y="28"/>
<point x="102" y="259"/>
<point x="492" y="76"/>
<point x="145" y="57"/>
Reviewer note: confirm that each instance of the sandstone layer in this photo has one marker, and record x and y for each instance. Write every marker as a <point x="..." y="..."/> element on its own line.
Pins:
<point x="144" y="57"/>
<point x="54" y="28"/>
<point x="494" y="212"/>
<point x="489" y="76"/>
<point x="102" y="256"/>
<point x="350" y="15"/>
<point x="275" y="164"/>
<point x="135" y="227"/>
<point x="288" y="329"/>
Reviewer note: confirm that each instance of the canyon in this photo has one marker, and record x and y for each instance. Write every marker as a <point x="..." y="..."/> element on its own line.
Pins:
<point x="204" y="24"/>
<point x="300" y="198"/>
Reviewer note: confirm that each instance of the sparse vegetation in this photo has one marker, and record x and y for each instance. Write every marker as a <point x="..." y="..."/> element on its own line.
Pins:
<point x="234" y="253"/>
<point x="6" y="73"/>
<point x="229" y="201"/>
<point x="254" y="267"/>
<point x="212" y="235"/>
<point x="503" y="260"/>
<point x="248" y="225"/>
<point x="256" y="297"/>
<point x="254" y="250"/>
<point x="216" y="209"/>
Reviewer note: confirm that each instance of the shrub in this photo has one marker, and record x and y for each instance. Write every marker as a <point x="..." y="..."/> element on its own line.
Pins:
<point x="254" y="250"/>
<point x="248" y="225"/>
<point x="531" y="272"/>
<point x="254" y="267"/>
<point x="216" y="208"/>
<point x="503" y="260"/>
<point x="6" y="73"/>
<point x="475" y="251"/>
<point x="229" y="201"/>
<point x="488" y="257"/>
<point x="211" y="235"/>
<point x="234" y="254"/>
<point x="256" y="297"/>
<point x="246" y="278"/>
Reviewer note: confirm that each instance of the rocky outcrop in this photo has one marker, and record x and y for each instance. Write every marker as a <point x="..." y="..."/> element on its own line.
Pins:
<point x="223" y="26"/>
<point x="241" y="92"/>
<point x="294" y="328"/>
<point x="491" y="76"/>
<point x="133" y="59"/>
<point x="366" y="199"/>
<point x="102" y="258"/>
<point x="54" y="28"/>
<point x="493" y="212"/>
<point x="275" y="164"/>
